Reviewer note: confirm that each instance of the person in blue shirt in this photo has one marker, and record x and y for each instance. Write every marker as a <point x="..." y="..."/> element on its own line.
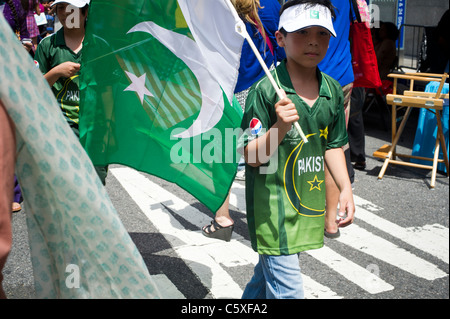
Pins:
<point x="338" y="64"/>
<point x="261" y="18"/>
<point x="250" y="69"/>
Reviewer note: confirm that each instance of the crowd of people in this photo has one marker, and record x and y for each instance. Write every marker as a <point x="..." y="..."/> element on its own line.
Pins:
<point x="305" y="43"/>
<point x="279" y="37"/>
<point x="71" y="223"/>
<point x="22" y="17"/>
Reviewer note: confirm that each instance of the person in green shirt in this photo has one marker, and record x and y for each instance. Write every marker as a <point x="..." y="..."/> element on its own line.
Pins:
<point x="59" y="59"/>
<point x="285" y="189"/>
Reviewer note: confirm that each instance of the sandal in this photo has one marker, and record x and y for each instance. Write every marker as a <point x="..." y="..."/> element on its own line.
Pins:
<point x="16" y="207"/>
<point x="220" y="232"/>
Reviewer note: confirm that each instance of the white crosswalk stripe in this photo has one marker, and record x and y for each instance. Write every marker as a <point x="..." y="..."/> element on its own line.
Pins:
<point x="432" y="238"/>
<point x="364" y="241"/>
<point x="360" y="276"/>
<point x="209" y="259"/>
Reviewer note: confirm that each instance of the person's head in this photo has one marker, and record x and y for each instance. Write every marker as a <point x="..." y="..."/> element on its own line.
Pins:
<point x="388" y="30"/>
<point x="299" y="14"/>
<point x="72" y="13"/>
<point x="248" y="11"/>
<point x="305" y="29"/>
<point x="46" y="3"/>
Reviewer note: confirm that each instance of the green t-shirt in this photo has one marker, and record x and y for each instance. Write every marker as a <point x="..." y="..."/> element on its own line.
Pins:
<point x="286" y="197"/>
<point x="51" y="52"/>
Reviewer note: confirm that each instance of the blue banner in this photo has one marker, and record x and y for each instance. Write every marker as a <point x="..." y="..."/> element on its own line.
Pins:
<point x="401" y="10"/>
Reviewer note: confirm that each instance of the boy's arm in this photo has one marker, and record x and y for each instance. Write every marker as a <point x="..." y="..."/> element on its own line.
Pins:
<point x="66" y="70"/>
<point x="335" y="160"/>
<point x="260" y="150"/>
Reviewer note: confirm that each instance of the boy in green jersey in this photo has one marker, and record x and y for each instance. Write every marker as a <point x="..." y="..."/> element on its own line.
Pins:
<point x="285" y="189"/>
<point x="59" y="58"/>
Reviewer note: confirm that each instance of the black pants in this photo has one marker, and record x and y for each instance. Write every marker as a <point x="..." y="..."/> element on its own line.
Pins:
<point x="351" y="171"/>
<point x="356" y="134"/>
<point x="102" y="171"/>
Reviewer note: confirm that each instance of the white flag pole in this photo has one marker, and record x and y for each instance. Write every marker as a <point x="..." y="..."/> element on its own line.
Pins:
<point x="241" y="29"/>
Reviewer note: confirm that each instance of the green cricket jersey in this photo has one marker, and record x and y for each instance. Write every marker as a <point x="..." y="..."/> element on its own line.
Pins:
<point x="286" y="197"/>
<point x="51" y="52"/>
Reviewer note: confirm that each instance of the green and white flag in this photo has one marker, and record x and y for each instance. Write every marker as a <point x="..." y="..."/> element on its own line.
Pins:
<point x="157" y="85"/>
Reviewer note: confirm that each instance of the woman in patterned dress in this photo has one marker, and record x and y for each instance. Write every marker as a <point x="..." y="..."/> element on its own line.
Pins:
<point x="72" y="224"/>
<point x="32" y="6"/>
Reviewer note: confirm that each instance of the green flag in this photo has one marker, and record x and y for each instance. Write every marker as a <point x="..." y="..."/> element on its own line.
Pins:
<point x="157" y="86"/>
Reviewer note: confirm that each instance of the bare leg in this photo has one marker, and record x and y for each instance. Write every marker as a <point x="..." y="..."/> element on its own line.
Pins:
<point x="7" y="160"/>
<point x="223" y="215"/>
<point x="332" y="191"/>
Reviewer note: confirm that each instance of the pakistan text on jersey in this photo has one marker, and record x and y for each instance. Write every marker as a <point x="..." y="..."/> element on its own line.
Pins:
<point x="312" y="164"/>
<point x="73" y="96"/>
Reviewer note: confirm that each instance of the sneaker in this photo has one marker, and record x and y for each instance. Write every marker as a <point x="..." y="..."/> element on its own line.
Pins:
<point x="360" y="166"/>
<point x="240" y="175"/>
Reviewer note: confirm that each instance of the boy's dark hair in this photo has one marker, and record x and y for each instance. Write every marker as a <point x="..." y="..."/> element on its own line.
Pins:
<point x="310" y="3"/>
<point x="85" y="9"/>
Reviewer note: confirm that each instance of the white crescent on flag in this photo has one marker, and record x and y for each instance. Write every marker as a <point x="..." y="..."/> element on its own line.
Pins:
<point x="213" y="58"/>
<point x="187" y="50"/>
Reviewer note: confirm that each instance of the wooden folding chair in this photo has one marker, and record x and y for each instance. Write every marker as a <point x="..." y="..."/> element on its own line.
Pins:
<point x="410" y="99"/>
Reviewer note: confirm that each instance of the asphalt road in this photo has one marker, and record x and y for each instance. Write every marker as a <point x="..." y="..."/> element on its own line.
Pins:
<point x="402" y="202"/>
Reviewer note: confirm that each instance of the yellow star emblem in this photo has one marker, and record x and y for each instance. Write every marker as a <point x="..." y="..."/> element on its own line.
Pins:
<point x="315" y="183"/>
<point x="324" y="133"/>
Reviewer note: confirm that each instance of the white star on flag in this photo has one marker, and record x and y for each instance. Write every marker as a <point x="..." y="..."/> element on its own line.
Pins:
<point x="138" y="85"/>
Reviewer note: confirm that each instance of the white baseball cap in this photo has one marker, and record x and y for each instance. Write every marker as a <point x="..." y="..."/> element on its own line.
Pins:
<point x="75" y="3"/>
<point x="304" y="16"/>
